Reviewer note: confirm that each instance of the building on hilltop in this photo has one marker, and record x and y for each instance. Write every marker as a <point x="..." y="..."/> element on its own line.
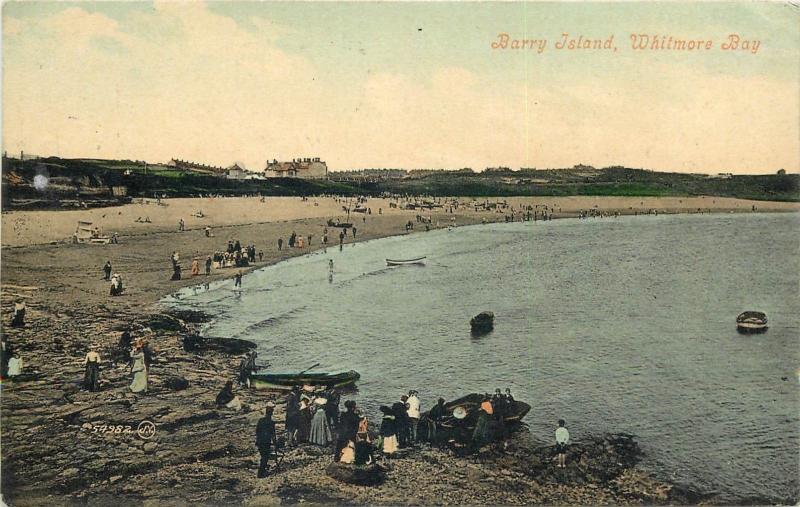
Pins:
<point x="306" y="168"/>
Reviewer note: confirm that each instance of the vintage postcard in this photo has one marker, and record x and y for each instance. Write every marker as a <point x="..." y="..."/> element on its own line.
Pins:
<point x="400" y="253"/>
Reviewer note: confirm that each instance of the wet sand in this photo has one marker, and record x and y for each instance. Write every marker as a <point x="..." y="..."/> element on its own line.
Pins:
<point x="202" y="455"/>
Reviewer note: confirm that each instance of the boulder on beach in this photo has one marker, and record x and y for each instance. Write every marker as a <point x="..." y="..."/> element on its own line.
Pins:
<point x="367" y="475"/>
<point x="233" y="346"/>
<point x="176" y="383"/>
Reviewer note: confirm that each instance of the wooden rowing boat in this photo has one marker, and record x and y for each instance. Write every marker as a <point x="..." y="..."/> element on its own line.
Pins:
<point x="285" y="381"/>
<point x="751" y="322"/>
<point x="461" y="416"/>
<point x="404" y="262"/>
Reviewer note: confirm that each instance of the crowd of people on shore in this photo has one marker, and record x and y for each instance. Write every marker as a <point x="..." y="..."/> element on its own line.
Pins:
<point x="315" y="419"/>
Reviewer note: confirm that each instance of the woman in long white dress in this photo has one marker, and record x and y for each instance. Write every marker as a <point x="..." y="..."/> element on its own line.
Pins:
<point x="139" y="371"/>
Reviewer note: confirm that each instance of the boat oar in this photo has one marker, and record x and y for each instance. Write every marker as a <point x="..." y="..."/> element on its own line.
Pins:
<point x="309" y="368"/>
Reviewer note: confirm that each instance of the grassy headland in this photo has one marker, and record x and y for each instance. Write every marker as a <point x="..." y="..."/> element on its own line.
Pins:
<point x="92" y="182"/>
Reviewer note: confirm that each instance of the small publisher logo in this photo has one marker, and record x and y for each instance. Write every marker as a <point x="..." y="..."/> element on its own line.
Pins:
<point x="146" y="430"/>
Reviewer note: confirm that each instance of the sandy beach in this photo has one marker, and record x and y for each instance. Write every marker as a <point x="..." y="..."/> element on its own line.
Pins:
<point x="201" y="455"/>
<point x="21" y="228"/>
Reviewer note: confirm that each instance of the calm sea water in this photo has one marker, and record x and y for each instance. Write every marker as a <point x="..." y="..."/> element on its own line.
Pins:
<point x="612" y="324"/>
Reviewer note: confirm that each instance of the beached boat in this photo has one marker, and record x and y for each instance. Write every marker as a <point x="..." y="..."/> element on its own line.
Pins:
<point x="403" y="262"/>
<point x="483" y="322"/>
<point x="285" y="381"/>
<point x="461" y="416"/>
<point x="751" y="322"/>
<point x="463" y="412"/>
<point x="345" y="225"/>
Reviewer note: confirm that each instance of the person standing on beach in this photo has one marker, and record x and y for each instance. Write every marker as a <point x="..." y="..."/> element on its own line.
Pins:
<point x="237" y="280"/>
<point x="91" y="378"/>
<point x="320" y="429"/>
<point x="292" y="239"/>
<point x="18" y="319"/>
<point x="139" y="370"/>
<point x="435" y="417"/>
<point x="292" y="414"/>
<point x="280" y="244"/>
<point x="388" y="431"/>
<point x="265" y="439"/>
<point x="107" y="271"/>
<point x="208" y="265"/>
<point x="562" y="442"/>
<point x="413" y="415"/>
<point x="354" y="232"/>
<point x="181" y="225"/>
<point x="195" y="267"/>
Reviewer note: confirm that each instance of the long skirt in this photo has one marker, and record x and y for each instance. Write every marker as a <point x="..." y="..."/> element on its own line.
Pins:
<point x="139" y="383"/>
<point x="390" y="444"/>
<point x="320" y="431"/>
<point x="91" y="378"/>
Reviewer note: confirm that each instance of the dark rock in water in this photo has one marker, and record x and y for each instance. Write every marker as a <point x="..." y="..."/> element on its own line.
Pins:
<point x="190" y="316"/>
<point x="369" y="475"/>
<point x="482" y="323"/>
<point x="164" y="322"/>
<point x="234" y="346"/>
<point x="176" y="383"/>
<point x="597" y="460"/>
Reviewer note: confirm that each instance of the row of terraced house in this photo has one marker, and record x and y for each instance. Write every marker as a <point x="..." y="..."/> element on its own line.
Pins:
<point x="306" y="168"/>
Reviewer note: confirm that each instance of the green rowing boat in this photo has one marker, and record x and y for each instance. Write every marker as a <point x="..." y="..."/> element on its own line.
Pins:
<point x="285" y="381"/>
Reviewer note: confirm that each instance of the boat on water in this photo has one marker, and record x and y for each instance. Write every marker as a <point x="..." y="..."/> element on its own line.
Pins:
<point x="285" y="381"/>
<point x="482" y="323"/>
<point x="751" y="322"/>
<point x="403" y="262"/>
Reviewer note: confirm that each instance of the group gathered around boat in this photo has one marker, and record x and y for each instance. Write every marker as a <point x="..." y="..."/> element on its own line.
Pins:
<point x="313" y="418"/>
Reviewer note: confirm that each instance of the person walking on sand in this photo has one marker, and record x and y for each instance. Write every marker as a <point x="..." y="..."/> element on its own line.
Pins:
<point x="265" y="439"/>
<point x="91" y="377"/>
<point x="208" y="265"/>
<point x="107" y="271"/>
<point x="562" y="442"/>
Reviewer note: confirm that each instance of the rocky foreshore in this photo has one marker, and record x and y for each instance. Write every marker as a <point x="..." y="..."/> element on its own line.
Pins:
<point x="64" y="445"/>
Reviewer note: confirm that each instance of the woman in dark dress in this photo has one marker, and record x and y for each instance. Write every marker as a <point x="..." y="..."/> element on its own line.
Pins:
<point x="388" y="431"/>
<point x="304" y="421"/>
<point x="363" y="444"/>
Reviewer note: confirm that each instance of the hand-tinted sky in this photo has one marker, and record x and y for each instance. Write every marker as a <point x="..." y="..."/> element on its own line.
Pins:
<point x="402" y="85"/>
